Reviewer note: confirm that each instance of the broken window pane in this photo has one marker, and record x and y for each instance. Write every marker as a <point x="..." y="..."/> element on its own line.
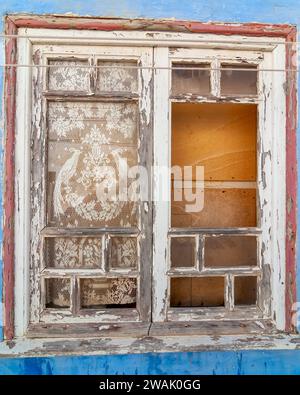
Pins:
<point x="238" y="80"/>
<point x="187" y="80"/>
<point x="183" y="252"/>
<point x="68" y="75"/>
<point x="57" y="292"/>
<point x="117" y="76"/>
<point x="89" y="143"/>
<point x="74" y="252"/>
<point x="222" y="208"/>
<point x="226" y="251"/>
<point x="220" y="137"/>
<point x="197" y="292"/>
<point x="98" y="293"/>
<point x="245" y="290"/>
<point x="123" y="253"/>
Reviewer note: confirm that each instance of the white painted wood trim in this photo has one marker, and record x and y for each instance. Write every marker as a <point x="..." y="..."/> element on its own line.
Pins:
<point x="153" y="38"/>
<point x="161" y="185"/>
<point x="22" y="188"/>
<point x="279" y="188"/>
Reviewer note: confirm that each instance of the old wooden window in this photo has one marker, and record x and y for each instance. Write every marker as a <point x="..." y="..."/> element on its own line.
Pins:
<point x="90" y="258"/>
<point x="96" y="266"/>
<point x="217" y="113"/>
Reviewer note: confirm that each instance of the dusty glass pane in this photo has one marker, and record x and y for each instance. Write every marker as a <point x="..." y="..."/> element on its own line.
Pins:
<point x="108" y="292"/>
<point x="197" y="292"/>
<point x="123" y="253"/>
<point x="73" y="252"/>
<point x="185" y="79"/>
<point x="183" y="251"/>
<point x="89" y="143"/>
<point x="238" y="80"/>
<point x="57" y="292"/>
<point x="226" y="251"/>
<point x="245" y="290"/>
<point x="117" y="76"/>
<point x="222" y="208"/>
<point x="69" y="75"/>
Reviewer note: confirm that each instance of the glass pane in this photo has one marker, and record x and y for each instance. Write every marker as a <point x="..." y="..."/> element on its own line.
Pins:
<point x="222" y="208"/>
<point x="238" y="80"/>
<point x="117" y="76"/>
<point x="220" y="137"/>
<point x="57" y="292"/>
<point x="74" y="252"/>
<point x="197" y="292"/>
<point x="89" y="143"/>
<point x="245" y="290"/>
<point x="108" y="292"/>
<point x="229" y="251"/>
<point x="186" y="80"/>
<point x="123" y="253"/>
<point x="69" y="75"/>
<point x="183" y="251"/>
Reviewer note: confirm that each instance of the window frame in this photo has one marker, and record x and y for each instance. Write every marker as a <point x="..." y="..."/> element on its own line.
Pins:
<point x="41" y="318"/>
<point x="159" y="39"/>
<point x="267" y="138"/>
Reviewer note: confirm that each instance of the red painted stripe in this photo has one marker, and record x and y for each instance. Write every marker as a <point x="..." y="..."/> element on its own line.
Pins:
<point x="63" y="22"/>
<point x="291" y="178"/>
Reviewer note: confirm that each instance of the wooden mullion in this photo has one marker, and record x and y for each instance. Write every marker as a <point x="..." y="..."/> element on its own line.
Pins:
<point x="75" y="294"/>
<point x="243" y="271"/>
<point x="215" y="78"/>
<point x="216" y="231"/>
<point x="229" y="292"/>
<point x="200" y="252"/>
<point x="193" y="98"/>
<point x="92" y="75"/>
<point x="86" y="232"/>
<point x="145" y="149"/>
<point x="90" y="96"/>
<point x="97" y="273"/>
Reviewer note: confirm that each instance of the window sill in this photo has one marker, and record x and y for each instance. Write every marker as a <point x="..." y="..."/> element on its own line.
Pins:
<point x="185" y="337"/>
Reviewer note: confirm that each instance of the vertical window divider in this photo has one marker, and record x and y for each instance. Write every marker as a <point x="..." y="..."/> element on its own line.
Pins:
<point x="229" y="292"/>
<point x="200" y="253"/>
<point x="92" y="74"/>
<point x="75" y="294"/>
<point x="106" y="252"/>
<point x="215" y="78"/>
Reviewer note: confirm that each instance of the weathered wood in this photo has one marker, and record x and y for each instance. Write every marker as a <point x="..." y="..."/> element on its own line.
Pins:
<point x="97" y="273"/>
<point x="110" y="24"/>
<point x="212" y="328"/>
<point x="86" y="232"/>
<point x="215" y="313"/>
<point x="291" y="178"/>
<point x="217" y="231"/>
<point x="211" y="272"/>
<point x="86" y="96"/>
<point x="86" y="330"/>
<point x="9" y="177"/>
<point x="111" y="315"/>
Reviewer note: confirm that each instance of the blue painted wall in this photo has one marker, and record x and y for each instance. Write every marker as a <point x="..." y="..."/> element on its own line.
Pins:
<point x="208" y="362"/>
<point x="269" y="11"/>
